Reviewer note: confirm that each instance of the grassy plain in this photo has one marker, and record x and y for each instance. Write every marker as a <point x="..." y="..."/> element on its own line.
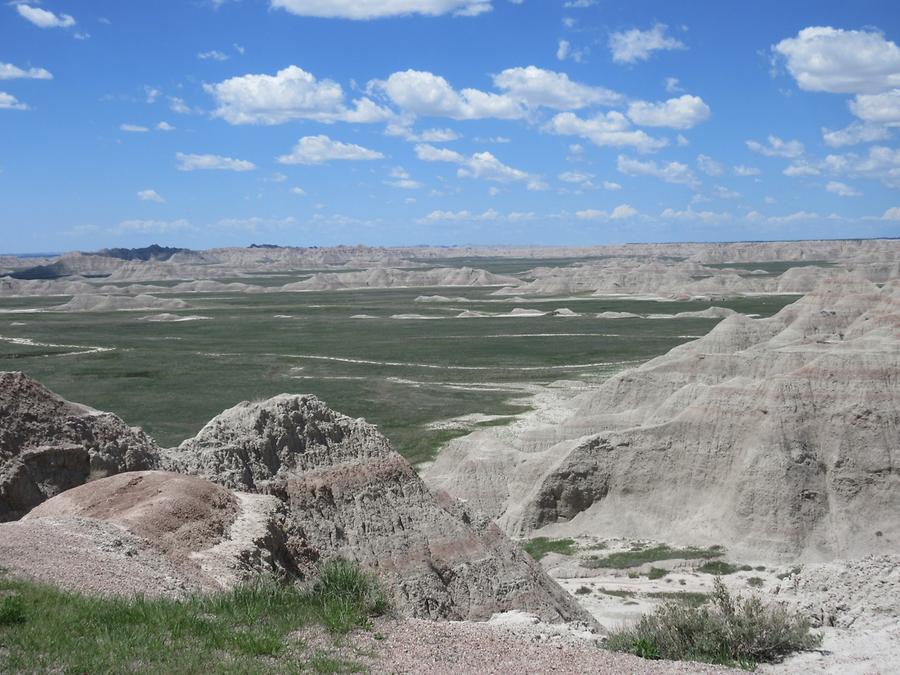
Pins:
<point x="402" y="374"/>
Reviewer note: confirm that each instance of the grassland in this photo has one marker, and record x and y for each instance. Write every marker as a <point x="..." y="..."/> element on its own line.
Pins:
<point x="403" y="375"/>
<point x="245" y="630"/>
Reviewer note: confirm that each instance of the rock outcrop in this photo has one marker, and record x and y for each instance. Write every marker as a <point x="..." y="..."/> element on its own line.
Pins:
<point x="348" y="494"/>
<point x="777" y="437"/>
<point x="48" y="445"/>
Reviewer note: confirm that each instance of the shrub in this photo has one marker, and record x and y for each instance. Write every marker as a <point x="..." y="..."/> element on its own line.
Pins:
<point x="729" y="630"/>
<point x="656" y="573"/>
<point x="755" y="582"/>
<point x="639" y="556"/>
<point x="583" y="590"/>
<point x="717" y="567"/>
<point x="538" y="547"/>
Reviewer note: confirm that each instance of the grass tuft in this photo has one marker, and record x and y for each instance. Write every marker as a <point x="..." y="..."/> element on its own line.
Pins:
<point x="729" y="630"/>
<point x="538" y="547"/>
<point x="640" y="556"/>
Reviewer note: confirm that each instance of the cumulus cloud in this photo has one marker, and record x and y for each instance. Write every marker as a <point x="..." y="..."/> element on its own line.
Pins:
<point x="290" y="94"/>
<point x="191" y="162"/>
<point x="10" y="72"/>
<point x="43" y="18"/>
<point x="538" y="87"/>
<point x="878" y="109"/>
<point x="212" y="55"/>
<point x="683" y="112"/>
<point x="822" y="58"/>
<point x="379" y="9"/>
<point x="621" y="212"/>
<point x="709" y="166"/>
<point x="483" y="165"/>
<point x="578" y="178"/>
<point x="426" y="136"/>
<point x="854" y="134"/>
<point x="689" y="215"/>
<point x="638" y="45"/>
<point x="400" y="178"/>
<point x="10" y="102"/>
<point x="776" y="147"/>
<point x="842" y="189"/>
<point x="164" y="126"/>
<point x="673" y="172"/>
<point x="152" y="226"/>
<point x="134" y="128"/>
<point x="744" y="171"/>
<point x="610" y="129"/>
<point x="150" y="196"/>
<point x="892" y="213"/>
<point x="320" y="149"/>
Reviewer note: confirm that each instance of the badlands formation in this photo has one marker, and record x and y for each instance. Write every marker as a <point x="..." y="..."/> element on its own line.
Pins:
<point x="776" y="439"/>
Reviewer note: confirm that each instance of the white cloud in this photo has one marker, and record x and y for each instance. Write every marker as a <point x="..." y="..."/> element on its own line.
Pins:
<point x="152" y="93"/>
<point x="150" y="196"/>
<point x="611" y="186"/>
<point x="290" y="94"/>
<point x="423" y="93"/>
<point x="152" y="226"/>
<point x="320" y="149"/>
<point x="878" y="109"/>
<point x="611" y="129"/>
<point x="636" y="45"/>
<point x="164" y="126"/>
<point x="538" y="87"/>
<point x="212" y="55"/>
<point x="723" y="192"/>
<point x="892" y="213"/>
<point x="10" y="102"/>
<point x="378" y="9"/>
<point x="134" y="128"/>
<point x="577" y="178"/>
<point x="299" y="191"/>
<point x="709" y="166"/>
<point x="190" y="162"/>
<point x="457" y="216"/>
<point x="43" y="18"/>
<point x="400" y="178"/>
<point x="777" y="148"/>
<point x="563" y="50"/>
<point x="801" y="168"/>
<point x="842" y="189"/>
<point x="741" y="170"/>
<point x="483" y="165"/>
<point x="426" y="136"/>
<point x="839" y="61"/>
<point x="854" y="134"/>
<point x="621" y="212"/>
<point x="683" y="112"/>
<point x="689" y="215"/>
<point x="10" y="72"/>
<point x="178" y="105"/>
<point x="672" y="85"/>
<point x="673" y="172"/>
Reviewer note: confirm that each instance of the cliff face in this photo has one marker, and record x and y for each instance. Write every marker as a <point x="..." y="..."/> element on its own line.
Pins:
<point x="48" y="445"/>
<point x="349" y="494"/>
<point x="777" y="437"/>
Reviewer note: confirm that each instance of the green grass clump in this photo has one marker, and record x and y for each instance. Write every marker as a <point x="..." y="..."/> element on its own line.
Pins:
<point x="616" y="592"/>
<point x="729" y="630"/>
<point x="717" y="567"/>
<point x="244" y="630"/>
<point x="634" y="558"/>
<point x="755" y="582"/>
<point x="538" y="547"/>
<point x="656" y="573"/>
<point x="790" y="572"/>
<point x="583" y="590"/>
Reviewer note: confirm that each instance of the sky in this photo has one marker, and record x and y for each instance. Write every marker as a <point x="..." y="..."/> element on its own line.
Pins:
<point x="206" y="123"/>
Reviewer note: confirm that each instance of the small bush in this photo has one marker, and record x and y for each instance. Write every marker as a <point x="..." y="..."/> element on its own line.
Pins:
<point x="616" y="592"/>
<point x="583" y="590"/>
<point x="12" y="610"/>
<point x="755" y="582"/>
<point x="717" y="567"/>
<point x="692" y="598"/>
<point x="790" y="572"/>
<point x="538" y="547"/>
<point x="729" y="630"/>
<point x="656" y="573"/>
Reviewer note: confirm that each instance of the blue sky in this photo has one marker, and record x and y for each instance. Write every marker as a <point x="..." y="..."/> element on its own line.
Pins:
<point x="387" y="122"/>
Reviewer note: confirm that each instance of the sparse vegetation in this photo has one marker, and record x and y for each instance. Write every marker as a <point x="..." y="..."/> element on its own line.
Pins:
<point x="790" y="572"/>
<point x="247" y="629"/>
<point x="691" y="598"/>
<point x="755" y="582"/>
<point x="634" y="558"/>
<point x="717" y="567"/>
<point x="538" y="547"/>
<point x="583" y="590"/>
<point x="616" y="592"/>
<point x="728" y="630"/>
<point x="656" y="573"/>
